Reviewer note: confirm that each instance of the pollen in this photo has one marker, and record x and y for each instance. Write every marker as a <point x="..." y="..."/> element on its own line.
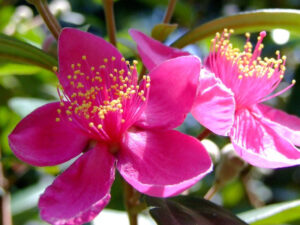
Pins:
<point x="248" y="61"/>
<point x="98" y="93"/>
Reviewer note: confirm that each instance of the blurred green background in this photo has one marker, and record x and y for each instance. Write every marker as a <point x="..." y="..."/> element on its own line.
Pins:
<point x="25" y="87"/>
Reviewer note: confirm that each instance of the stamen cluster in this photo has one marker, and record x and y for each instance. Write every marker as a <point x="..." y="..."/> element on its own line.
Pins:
<point x="100" y="93"/>
<point x="260" y="76"/>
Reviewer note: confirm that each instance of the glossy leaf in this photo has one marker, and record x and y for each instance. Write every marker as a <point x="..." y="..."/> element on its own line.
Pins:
<point x="252" y="21"/>
<point x="18" y="69"/>
<point x="17" y="51"/>
<point x="280" y="213"/>
<point x="186" y="210"/>
<point x="161" y="31"/>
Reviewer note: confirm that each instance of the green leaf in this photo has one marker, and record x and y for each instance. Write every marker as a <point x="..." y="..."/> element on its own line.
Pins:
<point x="18" y="69"/>
<point x="252" y="21"/>
<point x="186" y="210"/>
<point x="5" y="15"/>
<point x="161" y="31"/>
<point x="280" y="213"/>
<point x="21" y="52"/>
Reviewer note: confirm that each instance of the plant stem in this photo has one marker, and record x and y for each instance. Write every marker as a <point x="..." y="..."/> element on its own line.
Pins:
<point x="110" y="20"/>
<point x="211" y="192"/>
<point x="205" y="133"/>
<point x="49" y="19"/>
<point x="5" y="210"/>
<point x="169" y="12"/>
<point x="131" y="200"/>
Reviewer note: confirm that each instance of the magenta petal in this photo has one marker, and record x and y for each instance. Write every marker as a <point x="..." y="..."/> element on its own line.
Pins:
<point x="162" y="163"/>
<point x="152" y="51"/>
<point x="82" y="191"/>
<point x="41" y="141"/>
<point x="284" y="124"/>
<point x="214" y="106"/>
<point x="257" y="143"/>
<point x="172" y="92"/>
<point x="73" y="44"/>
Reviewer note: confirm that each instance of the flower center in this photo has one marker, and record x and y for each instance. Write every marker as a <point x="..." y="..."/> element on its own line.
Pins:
<point x="250" y="77"/>
<point x="103" y="100"/>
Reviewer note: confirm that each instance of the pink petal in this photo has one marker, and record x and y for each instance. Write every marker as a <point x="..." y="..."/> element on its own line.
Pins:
<point x="152" y="51"/>
<point x="82" y="191"/>
<point x="172" y="92"/>
<point x="284" y="124"/>
<point x="257" y="143"/>
<point x="214" y="106"/>
<point x="162" y="163"/>
<point x="73" y="44"/>
<point x="41" y="141"/>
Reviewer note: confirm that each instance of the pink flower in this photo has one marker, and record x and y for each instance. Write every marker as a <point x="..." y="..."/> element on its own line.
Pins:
<point x="215" y="104"/>
<point x="232" y="87"/>
<point x="115" y="122"/>
<point x="261" y="135"/>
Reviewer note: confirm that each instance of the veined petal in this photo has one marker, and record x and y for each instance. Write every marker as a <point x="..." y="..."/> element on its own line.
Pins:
<point x="82" y="191"/>
<point x="257" y="143"/>
<point x="172" y="92"/>
<point x="152" y="51"/>
<point x="162" y="163"/>
<point x="214" y="106"/>
<point x="286" y="125"/>
<point x="81" y="54"/>
<point x="41" y="141"/>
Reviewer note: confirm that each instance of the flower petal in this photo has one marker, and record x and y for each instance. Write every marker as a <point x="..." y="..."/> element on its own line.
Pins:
<point x="162" y="163"/>
<point x="82" y="191"/>
<point x="41" y="141"/>
<point x="214" y="106"/>
<point x="152" y="51"/>
<point x="284" y="124"/>
<point x="73" y="44"/>
<point x="172" y="92"/>
<point x="257" y="143"/>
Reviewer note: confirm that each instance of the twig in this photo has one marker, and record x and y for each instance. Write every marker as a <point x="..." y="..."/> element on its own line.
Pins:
<point x="211" y="192"/>
<point x="110" y="20"/>
<point x="169" y="11"/>
<point x="131" y="200"/>
<point x="49" y="19"/>
<point x="205" y="133"/>
<point x="5" y="210"/>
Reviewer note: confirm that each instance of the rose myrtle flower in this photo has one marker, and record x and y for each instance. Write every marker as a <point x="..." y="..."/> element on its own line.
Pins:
<point x="261" y="135"/>
<point x="111" y="121"/>
<point x="215" y="102"/>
